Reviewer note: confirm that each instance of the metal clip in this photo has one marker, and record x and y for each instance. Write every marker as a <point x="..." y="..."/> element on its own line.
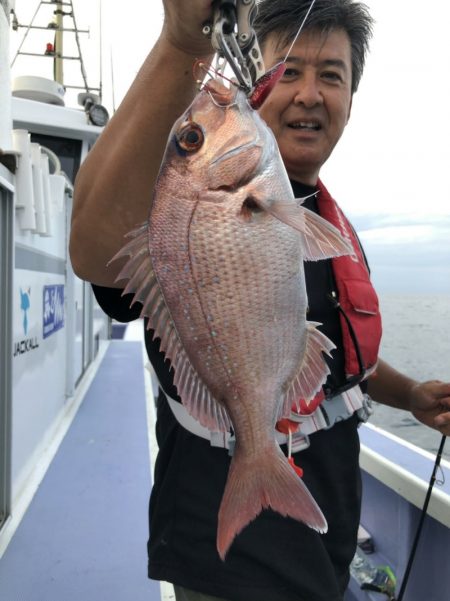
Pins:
<point x="234" y="40"/>
<point x="247" y="40"/>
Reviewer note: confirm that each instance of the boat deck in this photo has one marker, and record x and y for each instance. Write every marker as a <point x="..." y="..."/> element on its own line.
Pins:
<point x="84" y="534"/>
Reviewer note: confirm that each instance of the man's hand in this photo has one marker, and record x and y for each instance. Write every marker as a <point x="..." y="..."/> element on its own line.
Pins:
<point x="428" y="401"/>
<point x="430" y="404"/>
<point x="183" y="24"/>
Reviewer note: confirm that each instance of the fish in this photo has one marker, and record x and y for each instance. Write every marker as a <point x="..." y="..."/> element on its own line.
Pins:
<point x="218" y="269"/>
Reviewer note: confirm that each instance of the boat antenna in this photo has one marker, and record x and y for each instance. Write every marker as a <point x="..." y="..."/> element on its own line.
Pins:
<point x="113" y="91"/>
<point x="100" y="85"/>
<point x="16" y="27"/>
<point x="77" y="39"/>
<point x="421" y="522"/>
<point x="56" y="50"/>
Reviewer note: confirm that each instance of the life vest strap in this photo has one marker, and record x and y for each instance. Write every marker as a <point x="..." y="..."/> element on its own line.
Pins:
<point x="331" y="411"/>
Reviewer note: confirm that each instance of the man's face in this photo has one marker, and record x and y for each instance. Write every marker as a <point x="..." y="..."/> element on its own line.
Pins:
<point x="310" y="106"/>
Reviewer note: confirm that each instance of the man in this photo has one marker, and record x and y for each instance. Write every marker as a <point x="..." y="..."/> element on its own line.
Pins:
<point x="274" y="558"/>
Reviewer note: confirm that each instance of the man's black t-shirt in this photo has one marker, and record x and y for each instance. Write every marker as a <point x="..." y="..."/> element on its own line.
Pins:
<point x="274" y="558"/>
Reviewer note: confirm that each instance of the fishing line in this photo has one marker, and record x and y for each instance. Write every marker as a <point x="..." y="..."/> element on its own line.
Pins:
<point x="300" y="30"/>
<point x="422" y="520"/>
<point x="211" y="71"/>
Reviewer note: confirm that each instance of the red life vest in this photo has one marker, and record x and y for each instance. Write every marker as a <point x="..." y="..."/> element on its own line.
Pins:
<point x="356" y="294"/>
<point x="358" y="299"/>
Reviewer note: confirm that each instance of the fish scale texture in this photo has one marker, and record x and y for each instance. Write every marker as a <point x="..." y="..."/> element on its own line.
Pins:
<point x="252" y="290"/>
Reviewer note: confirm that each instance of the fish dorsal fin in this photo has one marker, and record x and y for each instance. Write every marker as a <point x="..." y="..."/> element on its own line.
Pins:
<point x="320" y="239"/>
<point x="144" y="286"/>
<point x="312" y="372"/>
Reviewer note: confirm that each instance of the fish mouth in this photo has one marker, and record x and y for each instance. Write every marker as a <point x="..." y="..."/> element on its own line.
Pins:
<point x="305" y="125"/>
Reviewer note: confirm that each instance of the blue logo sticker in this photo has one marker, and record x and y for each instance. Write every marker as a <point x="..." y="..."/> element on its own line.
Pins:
<point x="27" y="344"/>
<point x="25" y="305"/>
<point x="53" y="309"/>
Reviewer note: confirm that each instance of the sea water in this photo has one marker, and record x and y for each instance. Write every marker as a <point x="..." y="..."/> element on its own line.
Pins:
<point x="416" y="341"/>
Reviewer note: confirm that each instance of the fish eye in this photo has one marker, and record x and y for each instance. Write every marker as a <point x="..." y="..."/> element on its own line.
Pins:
<point x="190" y="138"/>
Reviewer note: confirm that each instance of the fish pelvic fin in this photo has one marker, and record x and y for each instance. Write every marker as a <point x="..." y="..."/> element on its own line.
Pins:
<point x="269" y="483"/>
<point x="313" y="370"/>
<point x="320" y="239"/>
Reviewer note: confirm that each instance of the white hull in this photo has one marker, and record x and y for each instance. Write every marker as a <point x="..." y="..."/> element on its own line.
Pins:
<point x="49" y="325"/>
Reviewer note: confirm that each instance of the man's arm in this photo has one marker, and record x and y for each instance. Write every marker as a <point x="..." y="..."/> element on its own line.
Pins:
<point x="428" y="401"/>
<point x="114" y="186"/>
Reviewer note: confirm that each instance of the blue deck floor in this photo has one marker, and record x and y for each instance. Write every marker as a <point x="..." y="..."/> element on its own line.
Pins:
<point x="84" y="535"/>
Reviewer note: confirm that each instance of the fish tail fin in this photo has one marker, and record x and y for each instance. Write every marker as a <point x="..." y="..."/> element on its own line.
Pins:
<point x="270" y="483"/>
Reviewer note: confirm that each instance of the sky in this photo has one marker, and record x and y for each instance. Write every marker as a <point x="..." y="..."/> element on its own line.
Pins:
<point x="389" y="170"/>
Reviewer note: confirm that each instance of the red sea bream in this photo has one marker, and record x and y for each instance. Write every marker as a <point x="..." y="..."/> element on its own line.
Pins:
<point x="218" y="268"/>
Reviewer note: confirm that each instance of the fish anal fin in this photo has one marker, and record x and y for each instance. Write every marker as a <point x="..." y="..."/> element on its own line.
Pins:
<point x="256" y="485"/>
<point x="313" y="369"/>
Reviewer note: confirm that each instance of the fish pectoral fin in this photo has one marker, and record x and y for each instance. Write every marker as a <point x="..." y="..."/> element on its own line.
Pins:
<point x="302" y="199"/>
<point x="320" y="239"/>
<point x="313" y="369"/>
<point x="142" y="283"/>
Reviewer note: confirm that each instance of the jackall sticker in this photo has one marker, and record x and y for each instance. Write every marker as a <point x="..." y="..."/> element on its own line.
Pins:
<point x="28" y="343"/>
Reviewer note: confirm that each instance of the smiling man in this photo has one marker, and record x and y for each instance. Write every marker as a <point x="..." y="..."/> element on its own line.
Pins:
<point x="310" y="107"/>
<point x="274" y="558"/>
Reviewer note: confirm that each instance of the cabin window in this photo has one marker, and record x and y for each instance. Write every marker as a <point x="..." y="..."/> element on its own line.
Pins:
<point x="68" y="151"/>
